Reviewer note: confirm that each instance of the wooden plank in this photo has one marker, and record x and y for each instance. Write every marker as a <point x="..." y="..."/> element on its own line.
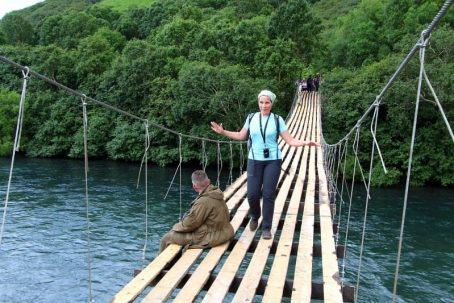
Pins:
<point x="332" y="291"/>
<point x="234" y="194"/>
<point x="278" y="274"/>
<point x="164" y="288"/>
<point x="235" y="186"/>
<point x="200" y="276"/>
<point x="221" y="285"/>
<point x="168" y="283"/>
<point x="294" y="127"/>
<point x="134" y="288"/>
<point x="235" y="199"/>
<point x="247" y="289"/>
<point x="303" y="265"/>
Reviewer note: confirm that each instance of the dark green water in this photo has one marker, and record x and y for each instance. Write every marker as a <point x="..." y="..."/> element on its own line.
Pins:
<point x="43" y="256"/>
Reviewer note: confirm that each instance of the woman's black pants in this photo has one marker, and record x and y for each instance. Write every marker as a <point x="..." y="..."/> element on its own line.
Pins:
<point x="262" y="178"/>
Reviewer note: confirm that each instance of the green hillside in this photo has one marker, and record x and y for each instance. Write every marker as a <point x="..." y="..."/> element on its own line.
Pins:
<point x="329" y="10"/>
<point x="183" y="63"/>
<point x="122" y="5"/>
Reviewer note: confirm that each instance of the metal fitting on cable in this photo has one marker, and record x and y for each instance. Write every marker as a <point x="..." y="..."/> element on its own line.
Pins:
<point x="423" y="41"/>
<point x="376" y="102"/>
<point x="26" y="74"/>
<point x="83" y="98"/>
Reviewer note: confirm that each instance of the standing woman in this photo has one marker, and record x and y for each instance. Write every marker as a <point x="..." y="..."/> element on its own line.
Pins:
<point x="264" y="159"/>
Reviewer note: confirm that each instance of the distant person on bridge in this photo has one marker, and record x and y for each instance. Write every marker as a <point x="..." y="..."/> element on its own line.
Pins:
<point x="264" y="159"/>
<point x="207" y="223"/>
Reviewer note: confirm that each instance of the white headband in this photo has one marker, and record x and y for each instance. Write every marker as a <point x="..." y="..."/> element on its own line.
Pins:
<point x="267" y="93"/>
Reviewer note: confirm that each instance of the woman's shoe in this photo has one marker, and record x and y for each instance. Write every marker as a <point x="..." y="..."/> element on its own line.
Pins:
<point x="266" y="234"/>
<point x="253" y="224"/>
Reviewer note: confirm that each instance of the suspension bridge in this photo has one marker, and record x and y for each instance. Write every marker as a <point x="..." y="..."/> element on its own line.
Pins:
<point x="303" y="234"/>
<point x="304" y="260"/>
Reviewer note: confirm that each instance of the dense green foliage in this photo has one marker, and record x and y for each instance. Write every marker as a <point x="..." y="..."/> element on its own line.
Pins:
<point x="181" y="64"/>
<point x="122" y="5"/>
<point x="362" y="52"/>
<point x="8" y="112"/>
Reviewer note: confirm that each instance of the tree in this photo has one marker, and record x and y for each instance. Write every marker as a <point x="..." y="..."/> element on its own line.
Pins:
<point x="99" y="133"/>
<point x="56" y="134"/>
<point x="246" y="9"/>
<point x="178" y="33"/>
<point x="127" y="83"/>
<point x="16" y="30"/>
<point x="278" y="62"/>
<point x="9" y="107"/>
<point x="56" y="63"/>
<point x="223" y="93"/>
<point x="130" y="24"/>
<point x="95" y="55"/>
<point x="67" y="29"/>
<point x="294" y="20"/>
<point x="106" y="13"/>
<point x="249" y="37"/>
<point x="128" y="141"/>
<point x="221" y="27"/>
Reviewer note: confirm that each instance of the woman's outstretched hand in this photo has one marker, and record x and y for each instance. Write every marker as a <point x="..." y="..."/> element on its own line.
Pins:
<point x="217" y="128"/>
<point x="312" y="143"/>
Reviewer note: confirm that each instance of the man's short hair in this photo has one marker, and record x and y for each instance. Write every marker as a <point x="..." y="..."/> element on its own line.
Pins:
<point x="199" y="177"/>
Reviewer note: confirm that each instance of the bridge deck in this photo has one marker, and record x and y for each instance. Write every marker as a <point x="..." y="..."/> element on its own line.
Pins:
<point x="300" y="262"/>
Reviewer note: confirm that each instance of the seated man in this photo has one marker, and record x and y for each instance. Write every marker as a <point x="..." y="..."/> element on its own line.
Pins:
<point x="207" y="223"/>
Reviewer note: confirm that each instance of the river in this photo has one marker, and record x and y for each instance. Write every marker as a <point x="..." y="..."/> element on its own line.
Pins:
<point x="44" y="251"/>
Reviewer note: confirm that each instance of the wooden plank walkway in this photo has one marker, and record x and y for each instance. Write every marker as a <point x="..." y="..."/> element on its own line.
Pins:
<point x="249" y="268"/>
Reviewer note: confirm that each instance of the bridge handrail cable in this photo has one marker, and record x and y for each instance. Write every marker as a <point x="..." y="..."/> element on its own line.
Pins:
<point x="106" y="105"/>
<point x="425" y="34"/>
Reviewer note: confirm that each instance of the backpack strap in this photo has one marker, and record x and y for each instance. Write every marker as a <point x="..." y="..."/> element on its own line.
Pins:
<point x="276" y="119"/>
<point x="250" y="116"/>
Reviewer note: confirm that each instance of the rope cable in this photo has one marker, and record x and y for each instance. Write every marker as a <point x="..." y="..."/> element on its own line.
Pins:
<point x="25" y="74"/>
<point x="354" y="147"/>
<point x="410" y="159"/>
<point x="230" y="180"/>
<point x="334" y="176"/>
<point x="411" y="53"/>
<point x="181" y="161"/>
<point x="171" y="182"/>
<point x="241" y="158"/>
<point x="204" y="156"/>
<point x="363" y="234"/>
<point x="359" y="165"/>
<point x="425" y="33"/>
<point x="373" y="132"/>
<point x="339" y="157"/>
<point x="20" y="118"/>
<point x="219" y="164"/>
<point x="174" y="175"/>
<point x="103" y="104"/>
<point x="87" y="213"/>
<point x="329" y="169"/>
<point x="341" y="195"/>
<point x="145" y="159"/>
<point x="439" y="105"/>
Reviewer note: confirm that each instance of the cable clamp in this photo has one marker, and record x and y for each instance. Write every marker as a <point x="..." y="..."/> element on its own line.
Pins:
<point x="26" y="73"/>
<point x="423" y="41"/>
<point x="83" y="98"/>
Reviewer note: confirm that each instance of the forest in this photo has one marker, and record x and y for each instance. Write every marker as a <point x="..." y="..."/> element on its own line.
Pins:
<point x="183" y="63"/>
